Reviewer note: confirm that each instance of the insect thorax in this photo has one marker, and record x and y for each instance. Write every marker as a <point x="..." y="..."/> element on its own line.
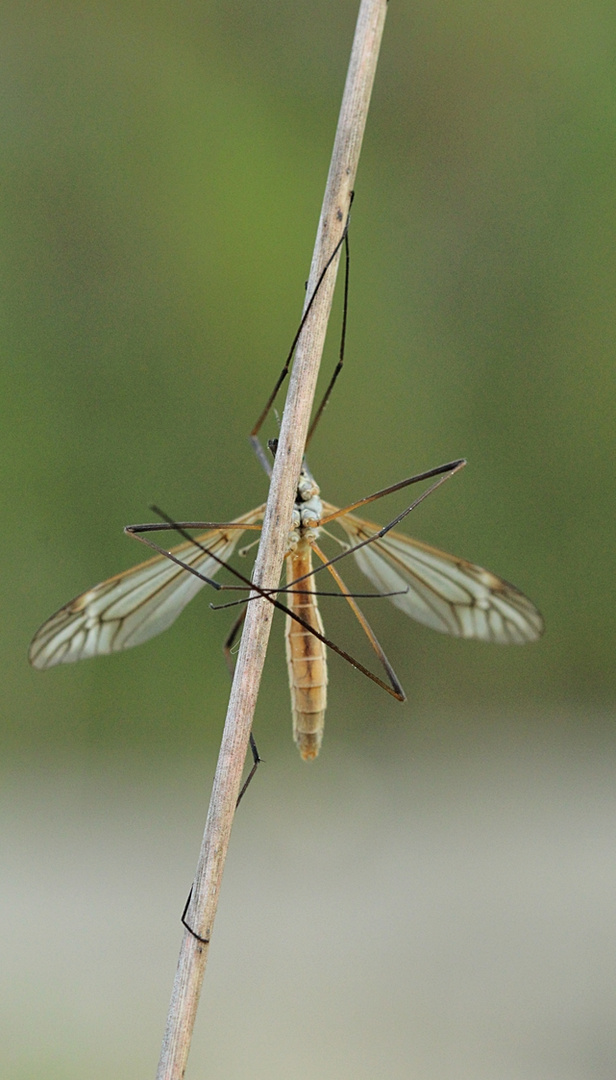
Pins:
<point x="307" y="512"/>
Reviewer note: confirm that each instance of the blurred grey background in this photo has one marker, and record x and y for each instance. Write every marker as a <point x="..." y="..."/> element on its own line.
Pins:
<point x="434" y="896"/>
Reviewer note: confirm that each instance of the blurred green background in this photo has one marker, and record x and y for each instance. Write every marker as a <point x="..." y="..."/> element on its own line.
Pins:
<point x="163" y="168"/>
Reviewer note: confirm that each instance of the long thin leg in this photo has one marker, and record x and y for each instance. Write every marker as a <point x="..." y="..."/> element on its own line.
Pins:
<point x="339" y="365"/>
<point x="254" y="434"/>
<point x="229" y="642"/>
<point x="136" y="531"/>
<point x="170" y="525"/>
<point x="267" y="595"/>
<point x="450" y="469"/>
<point x="256" y="761"/>
<point x="181" y="527"/>
<point x="226" y="648"/>
<point x="363" y="622"/>
<point x="203" y="940"/>
<point x="443" y="471"/>
<point x="311" y="592"/>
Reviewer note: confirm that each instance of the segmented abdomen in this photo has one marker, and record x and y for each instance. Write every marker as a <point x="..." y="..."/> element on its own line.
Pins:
<point x="306" y="659"/>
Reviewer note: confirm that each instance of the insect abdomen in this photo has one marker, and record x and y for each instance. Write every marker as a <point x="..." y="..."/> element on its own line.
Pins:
<point x="306" y="661"/>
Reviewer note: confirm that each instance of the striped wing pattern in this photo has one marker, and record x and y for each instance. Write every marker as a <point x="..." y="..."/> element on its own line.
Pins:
<point x="135" y="605"/>
<point x="442" y="591"/>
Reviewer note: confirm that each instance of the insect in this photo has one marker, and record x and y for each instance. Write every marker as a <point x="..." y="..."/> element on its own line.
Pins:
<point x="439" y="590"/>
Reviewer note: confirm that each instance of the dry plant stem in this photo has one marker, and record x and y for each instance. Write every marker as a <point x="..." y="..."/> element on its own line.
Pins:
<point x="268" y="566"/>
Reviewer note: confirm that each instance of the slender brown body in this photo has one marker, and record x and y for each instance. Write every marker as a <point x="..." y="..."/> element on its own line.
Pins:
<point x="306" y="657"/>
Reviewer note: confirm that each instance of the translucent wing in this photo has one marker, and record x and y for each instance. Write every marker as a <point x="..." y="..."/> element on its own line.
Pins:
<point x="134" y="605"/>
<point x="444" y="592"/>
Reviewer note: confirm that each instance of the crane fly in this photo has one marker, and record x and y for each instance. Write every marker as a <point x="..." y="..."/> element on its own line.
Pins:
<point x="442" y="591"/>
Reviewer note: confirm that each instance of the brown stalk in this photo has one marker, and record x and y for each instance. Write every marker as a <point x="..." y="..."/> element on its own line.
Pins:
<point x="268" y="566"/>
